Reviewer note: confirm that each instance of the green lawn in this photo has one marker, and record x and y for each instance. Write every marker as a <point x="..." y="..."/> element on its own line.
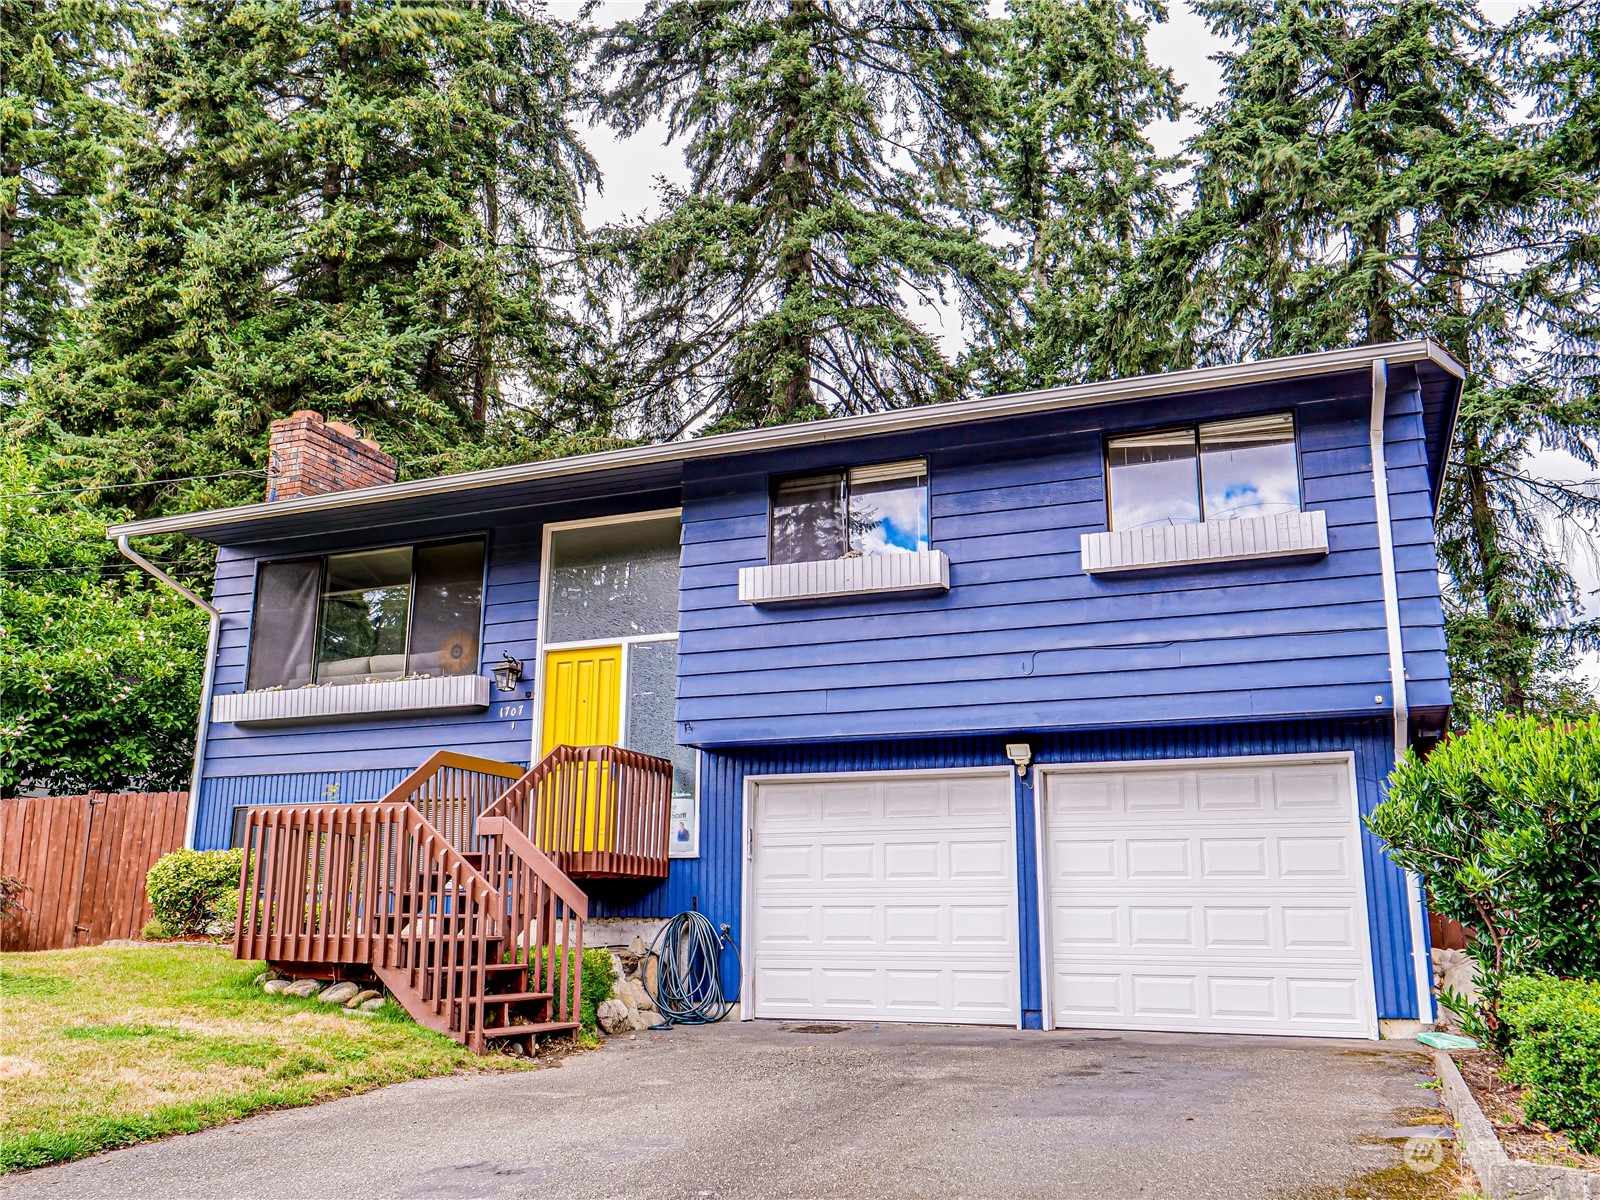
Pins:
<point x="104" y="1047"/>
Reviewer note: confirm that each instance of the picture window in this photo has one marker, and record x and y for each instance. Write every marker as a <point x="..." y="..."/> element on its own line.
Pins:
<point x="368" y="615"/>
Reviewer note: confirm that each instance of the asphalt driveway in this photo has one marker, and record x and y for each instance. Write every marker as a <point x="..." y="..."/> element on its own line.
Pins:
<point x="767" y="1109"/>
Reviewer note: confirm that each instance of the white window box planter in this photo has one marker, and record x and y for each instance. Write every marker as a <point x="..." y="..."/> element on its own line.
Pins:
<point x="393" y="697"/>
<point x="1287" y="535"/>
<point x="870" y="575"/>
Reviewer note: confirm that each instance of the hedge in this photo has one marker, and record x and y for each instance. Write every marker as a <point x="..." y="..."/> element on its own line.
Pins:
<point x="1554" y="1029"/>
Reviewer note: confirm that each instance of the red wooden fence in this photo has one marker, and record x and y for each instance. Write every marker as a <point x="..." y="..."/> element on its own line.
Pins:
<point x="84" y="859"/>
<point x="1445" y="934"/>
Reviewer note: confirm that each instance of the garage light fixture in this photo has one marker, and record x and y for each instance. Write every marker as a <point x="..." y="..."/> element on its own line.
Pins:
<point x="1020" y="753"/>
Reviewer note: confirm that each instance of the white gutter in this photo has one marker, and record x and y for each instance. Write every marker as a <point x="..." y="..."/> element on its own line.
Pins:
<point x="206" y="678"/>
<point x="1421" y="967"/>
<point x="810" y="433"/>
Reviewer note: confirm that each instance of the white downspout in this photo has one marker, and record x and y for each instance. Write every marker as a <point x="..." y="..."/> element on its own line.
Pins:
<point x="206" y="678"/>
<point x="1422" y="968"/>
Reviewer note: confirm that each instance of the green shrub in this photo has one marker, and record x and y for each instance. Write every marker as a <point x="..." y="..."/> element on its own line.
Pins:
<point x="598" y="976"/>
<point x="1554" y="1028"/>
<point x="1503" y="825"/>
<point x="598" y="981"/>
<point x="191" y="889"/>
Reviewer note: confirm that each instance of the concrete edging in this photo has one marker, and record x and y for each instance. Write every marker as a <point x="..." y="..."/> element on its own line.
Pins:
<point x="1502" y="1177"/>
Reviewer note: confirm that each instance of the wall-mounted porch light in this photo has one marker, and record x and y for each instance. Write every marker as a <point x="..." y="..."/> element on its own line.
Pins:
<point x="507" y="673"/>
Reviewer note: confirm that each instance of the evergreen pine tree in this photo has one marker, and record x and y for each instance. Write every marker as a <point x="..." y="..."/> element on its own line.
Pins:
<point x="828" y="144"/>
<point x="349" y="205"/>
<point x="1360" y="180"/>
<point x="60" y="114"/>
<point x="1077" y="183"/>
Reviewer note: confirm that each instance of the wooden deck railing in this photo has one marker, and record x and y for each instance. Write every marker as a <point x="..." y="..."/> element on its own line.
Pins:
<point x="544" y="906"/>
<point x="371" y="884"/>
<point x="598" y="812"/>
<point x="451" y="790"/>
<point x="377" y="884"/>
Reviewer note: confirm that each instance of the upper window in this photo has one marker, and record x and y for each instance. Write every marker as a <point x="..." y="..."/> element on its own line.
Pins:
<point x="404" y="611"/>
<point x="1216" y="471"/>
<point x="873" y="510"/>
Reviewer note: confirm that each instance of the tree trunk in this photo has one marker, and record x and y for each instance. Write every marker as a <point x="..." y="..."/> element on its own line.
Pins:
<point x="1491" y="565"/>
<point x="796" y="267"/>
<point x="483" y="355"/>
<point x="333" y="170"/>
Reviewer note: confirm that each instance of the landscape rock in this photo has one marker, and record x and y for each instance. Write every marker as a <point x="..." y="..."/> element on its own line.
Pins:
<point x="339" y="993"/>
<point x="613" y="1016"/>
<point x="371" y="1006"/>
<point x="625" y="998"/>
<point x="641" y="998"/>
<point x="619" y="973"/>
<point x="273" y="986"/>
<point x="304" y="988"/>
<point x="362" y="997"/>
<point x="637" y="947"/>
<point x="1455" y="971"/>
<point x="641" y="1019"/>
<point x="267" y="977"/>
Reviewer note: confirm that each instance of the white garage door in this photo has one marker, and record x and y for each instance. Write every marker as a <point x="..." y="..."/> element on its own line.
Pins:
<point x="886" y="897"/>
<point x="1217" y="897"/>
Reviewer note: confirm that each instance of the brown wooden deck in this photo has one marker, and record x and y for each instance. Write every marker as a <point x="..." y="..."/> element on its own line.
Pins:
<point x="451" y="889"/>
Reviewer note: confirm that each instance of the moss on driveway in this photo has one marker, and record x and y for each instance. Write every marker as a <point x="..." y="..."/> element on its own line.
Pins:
<point x="103" y="1047"/>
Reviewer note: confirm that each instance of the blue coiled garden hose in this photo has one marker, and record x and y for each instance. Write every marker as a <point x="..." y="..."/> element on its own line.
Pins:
<point x="688" y="954"/>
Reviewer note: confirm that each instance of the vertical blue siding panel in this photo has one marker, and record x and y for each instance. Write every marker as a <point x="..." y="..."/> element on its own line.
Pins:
<point x="219" y="797"/>
<point x="713" y="882"/>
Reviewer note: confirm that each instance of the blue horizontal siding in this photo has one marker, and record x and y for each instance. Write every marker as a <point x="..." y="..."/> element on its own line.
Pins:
<point x="713" y="882"/>
<point x="1024" y="639"/>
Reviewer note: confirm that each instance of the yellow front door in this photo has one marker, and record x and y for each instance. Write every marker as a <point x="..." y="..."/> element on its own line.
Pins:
<point x="583" y="707"/>
<point x="582" y="697"/>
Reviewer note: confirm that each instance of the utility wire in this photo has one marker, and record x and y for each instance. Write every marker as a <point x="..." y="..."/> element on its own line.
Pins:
<point x="86" y="567"/>
<point x="113" y="487"/>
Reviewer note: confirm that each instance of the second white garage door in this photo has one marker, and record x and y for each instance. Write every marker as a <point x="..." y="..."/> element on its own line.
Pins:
<point x="1212" y="896"/>
<point x="888" y="897"/>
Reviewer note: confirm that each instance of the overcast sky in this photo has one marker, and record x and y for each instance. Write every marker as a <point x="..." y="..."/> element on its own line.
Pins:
<point x="630" y="168"/>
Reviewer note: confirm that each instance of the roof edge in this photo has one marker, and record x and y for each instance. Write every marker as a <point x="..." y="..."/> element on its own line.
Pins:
<point x="779" y="437"/>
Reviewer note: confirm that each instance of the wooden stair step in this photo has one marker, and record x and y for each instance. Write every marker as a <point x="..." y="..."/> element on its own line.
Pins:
<point x="516" y="997"/>
<point x="500" y="1031"/>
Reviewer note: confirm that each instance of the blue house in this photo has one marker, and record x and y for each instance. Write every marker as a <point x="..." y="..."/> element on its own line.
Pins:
<point x="1056" y="709"/>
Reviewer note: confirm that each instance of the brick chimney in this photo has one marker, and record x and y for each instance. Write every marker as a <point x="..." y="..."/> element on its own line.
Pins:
<point x="310" y="457"/>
